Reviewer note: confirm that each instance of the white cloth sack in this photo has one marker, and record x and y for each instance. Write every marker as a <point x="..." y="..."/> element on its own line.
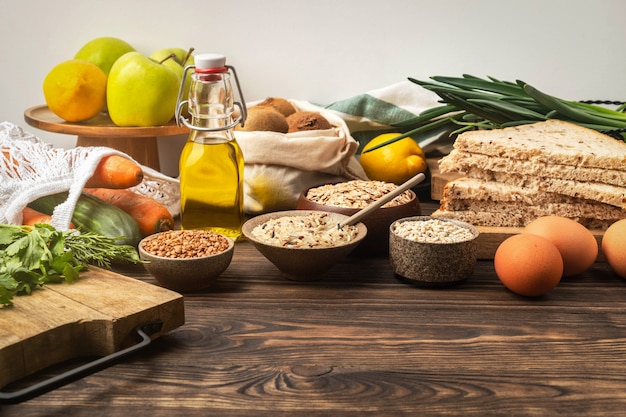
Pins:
<point x="279" y="167"/>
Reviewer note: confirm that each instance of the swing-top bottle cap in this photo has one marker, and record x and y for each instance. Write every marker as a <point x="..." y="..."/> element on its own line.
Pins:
<point x="209" y="61"/>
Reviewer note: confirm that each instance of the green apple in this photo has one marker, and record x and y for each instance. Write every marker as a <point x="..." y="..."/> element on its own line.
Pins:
<point x="141" y="91"/>
<point x="181" y="57"/>
<point x="104" y="51"/>
<point x="177" y="59"/>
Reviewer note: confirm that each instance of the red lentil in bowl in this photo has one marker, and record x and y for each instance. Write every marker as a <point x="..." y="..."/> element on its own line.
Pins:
<point x="186" y="260"/>
<point x="185" y="244"/>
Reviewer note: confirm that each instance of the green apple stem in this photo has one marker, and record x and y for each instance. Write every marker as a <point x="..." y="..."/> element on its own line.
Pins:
<point x="170" y="56"/>
<point x="189" y="52"/>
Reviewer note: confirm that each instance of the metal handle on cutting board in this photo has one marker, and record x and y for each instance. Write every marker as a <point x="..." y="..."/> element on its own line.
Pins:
<point x="143" y="332"/>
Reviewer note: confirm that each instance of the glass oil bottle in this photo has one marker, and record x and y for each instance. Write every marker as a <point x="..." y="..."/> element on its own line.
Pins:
<point x="211" y="162"/>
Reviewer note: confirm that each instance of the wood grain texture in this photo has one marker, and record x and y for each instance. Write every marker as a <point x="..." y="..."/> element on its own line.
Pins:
<point x="361" y="342"/>
<point x="438" y="180"/>
<point x="95" y="316"/>
<point x="101" y="126"/>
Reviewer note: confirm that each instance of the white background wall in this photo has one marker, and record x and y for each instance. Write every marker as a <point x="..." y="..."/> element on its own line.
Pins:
<point x="328" y="50"/>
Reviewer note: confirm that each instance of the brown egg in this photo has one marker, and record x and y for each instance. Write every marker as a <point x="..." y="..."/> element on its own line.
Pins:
<point x="528" y="264"/>
<point x="614" y="247"/>
<point x="576" y="243"/>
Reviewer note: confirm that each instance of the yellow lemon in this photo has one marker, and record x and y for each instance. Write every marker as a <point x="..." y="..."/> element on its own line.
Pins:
<point x="75" y="90"/>
<point x="395" y="162"/>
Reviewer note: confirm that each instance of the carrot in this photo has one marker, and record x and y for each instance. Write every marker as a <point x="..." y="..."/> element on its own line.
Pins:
<point x="116" y="172"/>
<point x="150" y="215"/>
<point x="9" y="162"/>
<point x="31" y="217"/>
<point x="113" y="171"/>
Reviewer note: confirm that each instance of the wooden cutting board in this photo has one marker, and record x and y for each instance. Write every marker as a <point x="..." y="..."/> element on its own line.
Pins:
<point x="437" y="179"/>
<point x="490" y="237"/>
<point x="94" y="316"/>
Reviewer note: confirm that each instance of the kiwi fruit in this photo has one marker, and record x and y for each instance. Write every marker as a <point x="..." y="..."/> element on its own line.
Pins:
<point x="263" y="118"/>
<point x="281" y="105"/>
<point x="307" y="120"/>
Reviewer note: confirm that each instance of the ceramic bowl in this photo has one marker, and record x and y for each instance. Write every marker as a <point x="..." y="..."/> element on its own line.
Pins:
<point x="432" y="263"/>
<point x="377" y="223"/>
<point x="186" y="274"/>
<point x="298" y="263"/>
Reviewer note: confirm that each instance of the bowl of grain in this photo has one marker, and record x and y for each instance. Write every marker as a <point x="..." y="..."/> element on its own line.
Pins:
<point x="432" y="251"/>
<point x="303" y="244"/>
<point x="349" y="197"/>
<point x="186" y="260"/>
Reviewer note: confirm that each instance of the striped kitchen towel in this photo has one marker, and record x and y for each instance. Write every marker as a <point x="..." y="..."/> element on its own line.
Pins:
<point x="391" y="109"/>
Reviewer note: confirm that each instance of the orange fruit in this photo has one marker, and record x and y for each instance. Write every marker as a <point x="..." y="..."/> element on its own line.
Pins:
<point x="75" y="90"/>
<point x="396" y="162"/>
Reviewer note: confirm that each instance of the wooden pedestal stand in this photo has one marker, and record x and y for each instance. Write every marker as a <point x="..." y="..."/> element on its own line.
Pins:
<point x="138" y="142"/>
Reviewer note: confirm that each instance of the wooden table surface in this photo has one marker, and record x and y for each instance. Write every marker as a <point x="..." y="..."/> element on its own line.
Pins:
<point x="361" y="342"/>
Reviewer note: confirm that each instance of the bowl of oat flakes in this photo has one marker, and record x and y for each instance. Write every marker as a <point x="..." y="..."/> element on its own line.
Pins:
<point x="303" y="244"/>
<point x="432" y="251"/>
<point x="351" y="196"/>
<point x="186" y="260"/>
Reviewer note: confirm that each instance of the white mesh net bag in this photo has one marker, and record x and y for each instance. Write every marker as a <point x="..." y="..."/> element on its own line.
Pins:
<point x="162" y="188"/>
<point x="30" y="168"/>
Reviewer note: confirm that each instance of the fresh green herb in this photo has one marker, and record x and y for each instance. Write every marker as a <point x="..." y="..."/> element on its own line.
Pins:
<point x="33" y="256"/>
<point x="94" y="248"/>
<point x="470" y="102"/>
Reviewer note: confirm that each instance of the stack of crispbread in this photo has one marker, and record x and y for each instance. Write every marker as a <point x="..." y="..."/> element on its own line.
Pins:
<point x="516" y="174"/>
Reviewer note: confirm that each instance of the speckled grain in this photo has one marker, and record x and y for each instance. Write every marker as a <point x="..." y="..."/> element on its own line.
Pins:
<point x="302" y="263"/>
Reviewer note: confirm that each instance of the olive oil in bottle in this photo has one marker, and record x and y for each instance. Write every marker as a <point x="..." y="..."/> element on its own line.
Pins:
<point x="211" y="162"/>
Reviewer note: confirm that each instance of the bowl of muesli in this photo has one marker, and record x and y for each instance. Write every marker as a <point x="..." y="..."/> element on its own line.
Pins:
<point x="432" y="251"/>
<point x="303" y="244"/>
<point x="186" y="260"/>
<point x="351" y="196"/>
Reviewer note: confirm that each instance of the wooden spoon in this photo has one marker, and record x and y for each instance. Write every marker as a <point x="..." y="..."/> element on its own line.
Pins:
<point x="366" y="211"/>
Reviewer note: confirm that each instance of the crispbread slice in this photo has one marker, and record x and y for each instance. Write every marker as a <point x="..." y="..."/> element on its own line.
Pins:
<point x="549" y="142"/>
<point x="464" y="162"/>
<point x="520" y="204"/>
<point x="502" y="218"/>
<point x="490" y="203"/>
<point x="512" y="216"/>
<point x="466" y="188"/>
<point x="521" y="173"/>
<point x="583" y="210"/>
<point x="604" y="193"/>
